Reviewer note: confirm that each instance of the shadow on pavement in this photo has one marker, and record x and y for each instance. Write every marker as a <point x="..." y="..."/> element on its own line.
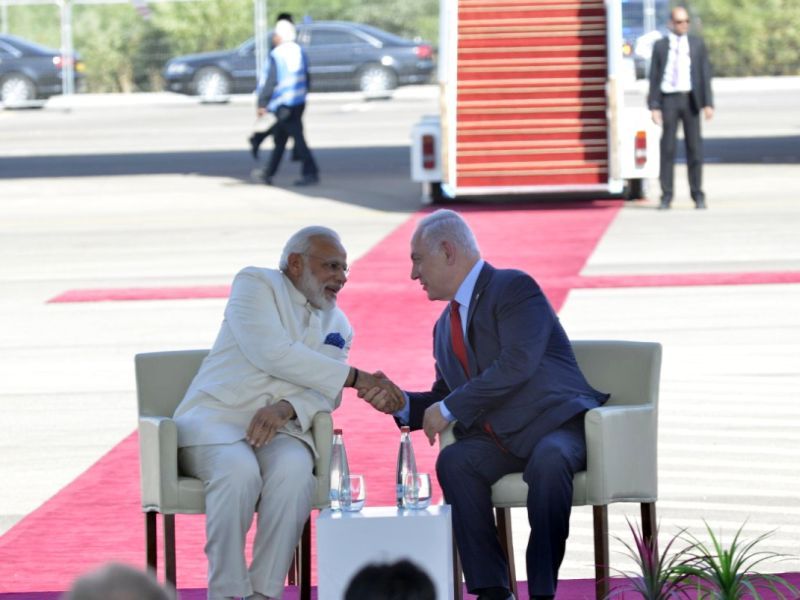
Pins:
<point x="750" y="150"/>
<point x="376" y="177"/>
<point x="373" y="177"/>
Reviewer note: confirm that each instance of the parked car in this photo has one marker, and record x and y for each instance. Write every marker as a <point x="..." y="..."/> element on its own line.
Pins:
<point x="341" y="56"/>
<point x="30" y="72"/>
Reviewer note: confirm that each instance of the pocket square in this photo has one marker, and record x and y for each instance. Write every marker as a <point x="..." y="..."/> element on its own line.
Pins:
<point x="335" y="339"/>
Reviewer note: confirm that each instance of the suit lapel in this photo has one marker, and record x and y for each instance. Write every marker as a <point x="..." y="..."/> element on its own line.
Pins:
<point x="484" y="278"/>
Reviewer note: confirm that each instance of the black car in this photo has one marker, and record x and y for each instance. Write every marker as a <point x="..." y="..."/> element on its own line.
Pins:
<point x="30" y="72"/>
<point x="341" y="56"/>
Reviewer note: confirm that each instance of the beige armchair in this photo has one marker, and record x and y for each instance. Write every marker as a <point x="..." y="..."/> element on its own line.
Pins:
<point x="621" y="447"/>
<point x="162" y="379"/>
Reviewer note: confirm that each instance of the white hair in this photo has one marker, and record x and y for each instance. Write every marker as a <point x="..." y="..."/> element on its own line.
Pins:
<point x="445" y="224"/>
<point x="300" y="242"/>
<point x="285" y="30"/>
<point x="116" y="581"/>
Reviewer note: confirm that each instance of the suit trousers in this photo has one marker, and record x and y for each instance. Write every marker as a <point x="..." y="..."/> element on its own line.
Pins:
<point x="290" y="124"/>
<point x="466" y="471"/>
<point x="277" y="482"/>
<point x="675" y="108"/>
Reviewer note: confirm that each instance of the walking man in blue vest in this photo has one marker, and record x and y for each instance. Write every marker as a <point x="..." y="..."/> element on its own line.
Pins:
<point x="284" y="95"/>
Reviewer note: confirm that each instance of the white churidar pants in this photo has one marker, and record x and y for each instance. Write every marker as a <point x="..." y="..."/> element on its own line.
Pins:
<point x="277" y="482"/>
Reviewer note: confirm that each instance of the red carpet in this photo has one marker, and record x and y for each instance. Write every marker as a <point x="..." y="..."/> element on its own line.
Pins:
<point x="573" y="282"/>
<point x="162" y="293"/>
<point x="97" y="517"/>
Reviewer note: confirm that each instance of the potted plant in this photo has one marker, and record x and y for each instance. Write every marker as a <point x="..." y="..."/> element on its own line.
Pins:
<point x="660" y="575"/>
<point x="721" y="573"/>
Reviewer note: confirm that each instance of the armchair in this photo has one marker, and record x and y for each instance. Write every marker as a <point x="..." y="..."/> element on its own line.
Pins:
<point x="162" y="379"/>
<point x="621" y="448"/>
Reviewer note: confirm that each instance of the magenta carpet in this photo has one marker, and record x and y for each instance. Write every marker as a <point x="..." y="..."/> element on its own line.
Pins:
<point x="571" y="589"/>
<point x="98" y="518"/>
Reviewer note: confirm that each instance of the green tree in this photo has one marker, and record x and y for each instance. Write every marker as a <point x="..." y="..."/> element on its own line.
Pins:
<point x="751" y="38"/>
<point x="204" y="25"/>
<point x="107" y="36"/>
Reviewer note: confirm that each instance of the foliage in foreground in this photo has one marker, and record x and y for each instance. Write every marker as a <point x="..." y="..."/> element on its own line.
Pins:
<point x="729" y="573"/>
<point x="710" y="571"/>
<point x="659" y="575"/>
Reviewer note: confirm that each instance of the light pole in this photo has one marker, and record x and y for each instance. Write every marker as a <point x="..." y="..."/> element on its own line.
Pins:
<point x="67" y="50"/>
<point x="649" y="15"/>
<point x="260" y="29"/>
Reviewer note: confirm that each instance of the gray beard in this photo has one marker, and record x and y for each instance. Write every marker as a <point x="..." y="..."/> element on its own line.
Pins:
<point x="314" y="291"/>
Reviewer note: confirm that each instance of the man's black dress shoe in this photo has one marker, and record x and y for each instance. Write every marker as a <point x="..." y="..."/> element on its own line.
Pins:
<point x="307" y="180"/>
<point x="664" y="205"/>
<point x="700" y="204"/>
<point x="495" y="594"/>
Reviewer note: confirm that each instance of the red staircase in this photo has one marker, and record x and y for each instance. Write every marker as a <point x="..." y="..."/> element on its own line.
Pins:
<point x="531" y="100"/>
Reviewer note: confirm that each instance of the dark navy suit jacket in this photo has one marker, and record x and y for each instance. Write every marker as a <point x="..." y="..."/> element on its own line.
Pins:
<point x="700" y="74"/>
<point x="524" y="379"/>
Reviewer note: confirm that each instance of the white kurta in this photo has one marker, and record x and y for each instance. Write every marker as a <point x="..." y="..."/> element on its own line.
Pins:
<point x="271" y="346"/>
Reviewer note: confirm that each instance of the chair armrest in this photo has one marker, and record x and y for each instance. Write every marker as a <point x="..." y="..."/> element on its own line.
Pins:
<point x="158" y="462"/>
<point x="322" y="431"/>
<point x="621" y="446"/>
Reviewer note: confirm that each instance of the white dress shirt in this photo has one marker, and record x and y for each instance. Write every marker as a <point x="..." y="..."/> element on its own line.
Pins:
<point x="678" y="70"/>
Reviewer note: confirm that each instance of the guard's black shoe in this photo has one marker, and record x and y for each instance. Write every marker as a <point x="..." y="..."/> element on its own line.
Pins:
<point x="258" y="176"/>
<point x="254" y="144"/>
<point x="700" y="204"/>
<point x="307" y="180"/>
<point x="663" y="205"/>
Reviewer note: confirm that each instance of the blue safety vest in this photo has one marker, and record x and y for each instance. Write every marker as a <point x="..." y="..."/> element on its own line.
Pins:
<point x="291" y="87"/>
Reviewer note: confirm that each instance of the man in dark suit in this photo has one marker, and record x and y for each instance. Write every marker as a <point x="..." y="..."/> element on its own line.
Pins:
<point x="680" y="88"/>
<point x="507" y="375"/>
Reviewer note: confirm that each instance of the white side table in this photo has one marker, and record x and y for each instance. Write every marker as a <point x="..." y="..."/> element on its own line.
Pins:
<point x="347" y="541"/>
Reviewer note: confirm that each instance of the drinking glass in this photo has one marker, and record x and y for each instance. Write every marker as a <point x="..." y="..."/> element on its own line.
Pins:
<point x="358" y="494"/>
<point x="416" y="491"/>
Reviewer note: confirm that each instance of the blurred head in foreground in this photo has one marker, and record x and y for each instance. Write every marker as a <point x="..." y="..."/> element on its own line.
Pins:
<point x="117" y="582"/>
<point x="402" y="580"/>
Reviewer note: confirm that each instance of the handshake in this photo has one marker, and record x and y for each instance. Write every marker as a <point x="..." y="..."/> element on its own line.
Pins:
<point x="378" y="390"/>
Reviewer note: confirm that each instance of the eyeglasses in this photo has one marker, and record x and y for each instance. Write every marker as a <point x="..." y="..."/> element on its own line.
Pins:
<point x="334" y="267"/>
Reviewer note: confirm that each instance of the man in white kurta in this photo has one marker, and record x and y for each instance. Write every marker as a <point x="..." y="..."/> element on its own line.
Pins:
<point x="243" y="426"/>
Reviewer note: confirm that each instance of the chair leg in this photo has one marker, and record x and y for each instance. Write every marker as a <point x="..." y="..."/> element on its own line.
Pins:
<point x="305" y="562"/>
<point x="601" y="558"/>
<point x="458" y="586"/>
<point x="503" y="518"/>
<point x="169" y="550"/>
<point x="151" y="543"/>
<point x="649" y="527"/>
<point x="291" y="576"/>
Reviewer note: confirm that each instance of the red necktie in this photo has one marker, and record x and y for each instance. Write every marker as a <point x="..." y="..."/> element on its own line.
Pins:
<point x="457" y="337"/>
